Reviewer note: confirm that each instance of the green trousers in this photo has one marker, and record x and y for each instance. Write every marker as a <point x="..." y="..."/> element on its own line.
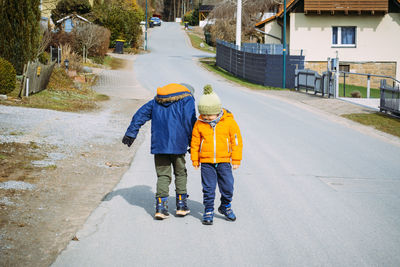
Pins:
<point x="163" y="164"/>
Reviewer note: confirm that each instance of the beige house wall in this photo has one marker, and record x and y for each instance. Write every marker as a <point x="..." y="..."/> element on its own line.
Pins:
<point x="274" y="29"/>
<point x="377" y="48"/>
<point x="378" y="68"/>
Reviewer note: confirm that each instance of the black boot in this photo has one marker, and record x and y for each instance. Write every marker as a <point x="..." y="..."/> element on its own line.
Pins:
<point x="181" y="205"/>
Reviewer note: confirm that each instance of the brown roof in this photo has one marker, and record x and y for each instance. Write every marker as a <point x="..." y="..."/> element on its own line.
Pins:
<point x="289" y="4"/>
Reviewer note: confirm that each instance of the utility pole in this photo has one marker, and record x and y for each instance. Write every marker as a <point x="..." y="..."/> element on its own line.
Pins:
<point x="239" y="24"/>
<point x="145" y="32"/>
<point x="284" y="46"/>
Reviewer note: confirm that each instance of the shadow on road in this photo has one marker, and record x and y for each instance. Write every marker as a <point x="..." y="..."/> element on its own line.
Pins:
<point x="142" y="196"/>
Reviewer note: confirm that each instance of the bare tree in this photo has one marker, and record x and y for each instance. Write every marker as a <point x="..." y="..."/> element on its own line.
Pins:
<point x="44" y="42"/>
<point x="86" y="36"/>
<point x="252" y="12"/>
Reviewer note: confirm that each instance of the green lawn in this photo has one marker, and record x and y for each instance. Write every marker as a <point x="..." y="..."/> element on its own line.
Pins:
<point x="196" y="41"/>
<point x="374" y="93"/>
<point x="61" y="94"/>
<point x="379" y="121"/>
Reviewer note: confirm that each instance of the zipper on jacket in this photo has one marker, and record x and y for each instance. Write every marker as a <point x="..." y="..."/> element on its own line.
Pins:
<point x="215" y="144"/>
<point x="201" y="144"/>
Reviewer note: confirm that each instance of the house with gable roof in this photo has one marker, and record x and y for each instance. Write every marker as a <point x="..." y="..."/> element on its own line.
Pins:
<point x="364" y="34"/>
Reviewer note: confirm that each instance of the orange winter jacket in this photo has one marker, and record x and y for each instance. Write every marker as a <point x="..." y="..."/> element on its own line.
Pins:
<point x="222" y="143"/>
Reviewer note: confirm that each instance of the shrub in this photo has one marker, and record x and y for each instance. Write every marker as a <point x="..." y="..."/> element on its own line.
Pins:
<point x="7" y="77"/>
<point x="122" y="20"/>
<point x="94" y="37"/>
<point x="44" y="58"/>
<point x="356" y="94"/>
<point x="62" y="38"/>
<point x="75" y="61"/>
<point x="192" y="17"/>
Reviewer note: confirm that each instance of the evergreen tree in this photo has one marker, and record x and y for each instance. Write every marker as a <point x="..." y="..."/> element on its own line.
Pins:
<point x="19" y="31"/>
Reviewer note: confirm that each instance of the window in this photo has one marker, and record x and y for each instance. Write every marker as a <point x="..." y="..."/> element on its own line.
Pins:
<point x="68" y="25"/>
<point x="344" y="36"/>
<point x="345" y="68"/>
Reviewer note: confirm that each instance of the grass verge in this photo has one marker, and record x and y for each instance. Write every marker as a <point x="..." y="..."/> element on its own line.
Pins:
<point x="379" y="121"/>
<point x="374" y="93"/>
<point x="197" y="40"/>
<point x="61" y="94"/>
<point x="114" y="63"/>
<point x="209" y="63"/>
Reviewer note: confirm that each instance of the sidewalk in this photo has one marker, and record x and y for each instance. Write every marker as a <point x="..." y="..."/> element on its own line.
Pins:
<point x="372" y="103"/>
<point x="335" y="106"/>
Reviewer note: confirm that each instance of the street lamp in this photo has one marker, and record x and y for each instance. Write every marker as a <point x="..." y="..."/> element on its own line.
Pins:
<point x="145" y="32"/>
<point x="66" y="64"/>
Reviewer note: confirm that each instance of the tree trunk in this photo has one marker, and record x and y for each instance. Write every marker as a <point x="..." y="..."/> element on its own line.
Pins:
<point x="174" y="10"/>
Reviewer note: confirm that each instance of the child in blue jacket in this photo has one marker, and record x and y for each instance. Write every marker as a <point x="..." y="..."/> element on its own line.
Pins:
<point x="172" y="113"/>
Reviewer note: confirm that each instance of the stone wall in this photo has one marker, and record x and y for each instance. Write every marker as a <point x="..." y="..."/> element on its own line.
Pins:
<point x="377" y="68"/>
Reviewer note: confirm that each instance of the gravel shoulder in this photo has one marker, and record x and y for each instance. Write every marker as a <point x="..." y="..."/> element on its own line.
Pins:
<point x="81" y="160"/>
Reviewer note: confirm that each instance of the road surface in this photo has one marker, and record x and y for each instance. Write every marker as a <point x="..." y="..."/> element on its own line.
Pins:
<point x="309" y="192"/>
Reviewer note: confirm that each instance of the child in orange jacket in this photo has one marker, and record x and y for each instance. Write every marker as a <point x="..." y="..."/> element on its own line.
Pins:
<point x="216" y="143"/>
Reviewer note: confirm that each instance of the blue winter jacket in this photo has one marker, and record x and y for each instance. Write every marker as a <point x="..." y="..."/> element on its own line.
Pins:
<point x="172" y="113"/>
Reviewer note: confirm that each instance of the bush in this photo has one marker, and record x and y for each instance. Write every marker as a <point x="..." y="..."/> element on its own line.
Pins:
<point x="75" y="60"/>
<point x="123" y="21"/>
<point x="356" y="94"/>
<point x="94" y="37"/>
<point x="7" y="77"/>
<point x="44" y="58"/>
<point x="62" y="38"/>
<point x="192" y="17"/>
<point x="222" y="30"/>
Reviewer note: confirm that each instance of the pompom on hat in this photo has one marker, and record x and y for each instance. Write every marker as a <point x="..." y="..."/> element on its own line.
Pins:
<point x="209" y="103"/>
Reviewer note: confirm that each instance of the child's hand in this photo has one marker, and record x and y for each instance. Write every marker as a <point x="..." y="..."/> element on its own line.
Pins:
<point x="235" y="166"/>
<point x="196" y="167"/>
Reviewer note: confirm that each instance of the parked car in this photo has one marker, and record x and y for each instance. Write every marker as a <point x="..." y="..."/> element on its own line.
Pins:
<point x="156" y="21"/>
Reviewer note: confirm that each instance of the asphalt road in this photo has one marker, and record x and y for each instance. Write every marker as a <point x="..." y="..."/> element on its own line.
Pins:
<point x="309" y="192"/>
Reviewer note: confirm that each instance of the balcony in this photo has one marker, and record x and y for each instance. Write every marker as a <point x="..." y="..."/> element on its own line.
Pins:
<point x="346" y="7"/>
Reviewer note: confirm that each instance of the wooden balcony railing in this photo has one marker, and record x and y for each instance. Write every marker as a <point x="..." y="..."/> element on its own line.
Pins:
<point x="346" y="6"/>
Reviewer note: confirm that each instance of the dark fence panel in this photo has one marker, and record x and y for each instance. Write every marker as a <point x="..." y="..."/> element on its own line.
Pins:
<point x="390" y="98"/>
<point x="274" y="72"/>
<point x="259" y="68"/>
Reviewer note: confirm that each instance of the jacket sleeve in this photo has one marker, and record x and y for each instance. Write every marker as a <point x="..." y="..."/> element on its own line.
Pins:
<point x="195" y="145"/>
<point x="236" y="143"/>
<point x="189" y="119"/>
<point x="141" y="117"/>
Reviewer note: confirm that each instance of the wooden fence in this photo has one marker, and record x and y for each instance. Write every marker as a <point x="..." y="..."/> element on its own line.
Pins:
<point x="36" y="78"/>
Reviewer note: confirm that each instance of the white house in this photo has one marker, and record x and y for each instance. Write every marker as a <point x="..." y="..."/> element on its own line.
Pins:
<point x="365" y="34"/>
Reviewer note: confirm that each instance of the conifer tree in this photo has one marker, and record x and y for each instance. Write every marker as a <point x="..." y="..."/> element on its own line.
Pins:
<point x="19" y="31"/>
